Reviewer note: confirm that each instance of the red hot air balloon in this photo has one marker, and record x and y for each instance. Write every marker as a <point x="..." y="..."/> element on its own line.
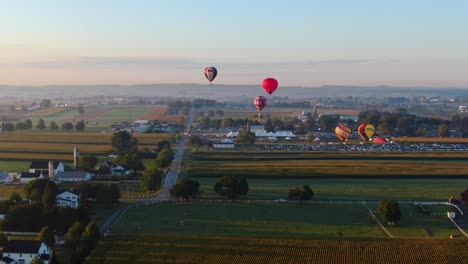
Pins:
<point x="380" y="140"/>
<point x="210" y="73"/>
<point x="342" y="132"/>
<point x="270" y="85"/>
<point x="260" y="102"/>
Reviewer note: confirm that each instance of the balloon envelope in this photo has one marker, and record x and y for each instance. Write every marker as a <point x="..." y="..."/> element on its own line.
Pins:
<point x="366" y="131"/>
<point x="270" y="85"/>
<point x="210" y="73"/>
<point x="260" y="102"/>
<point x="342" y="132"/>
<point x="380" y="140"/>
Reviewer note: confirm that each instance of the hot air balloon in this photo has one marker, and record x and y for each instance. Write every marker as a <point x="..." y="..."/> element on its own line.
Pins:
<point x="270" y="85"/>
<point x="380" y="140"/>
<point x="210" y="73"/>
<point x="342" y="132"/>
<point x="260" y="102"/>
<point x="366" y="131"/>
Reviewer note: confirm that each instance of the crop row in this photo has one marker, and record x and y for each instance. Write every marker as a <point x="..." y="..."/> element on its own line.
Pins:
<point x="166" y="249"/>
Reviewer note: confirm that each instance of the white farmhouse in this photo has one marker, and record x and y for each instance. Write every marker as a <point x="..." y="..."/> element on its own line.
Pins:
<point x="24" y="251"/>
<point x="69" y="199"/>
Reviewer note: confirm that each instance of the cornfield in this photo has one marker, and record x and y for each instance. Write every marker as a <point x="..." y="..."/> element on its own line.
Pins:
<point x="198" y="249"/>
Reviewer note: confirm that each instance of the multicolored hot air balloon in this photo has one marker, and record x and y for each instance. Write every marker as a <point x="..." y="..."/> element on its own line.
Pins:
<point x="210" y="73"/>
<point x="260" y="102"/>
<point x="342" y="132"/>
<point x="380" y="140"/>
<point x="270" y="85"/>
<point x="366" y="131"/>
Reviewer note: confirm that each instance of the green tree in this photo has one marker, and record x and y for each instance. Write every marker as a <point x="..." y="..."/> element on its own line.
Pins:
<point x="151" y="179"/>
<point x="15" y="198"/>
<point x="20" y="126"/>
<point x="72" y="238"/>
<point x="195" y="142"/>
<point x="49" y="196"/>
<point x="389" y="210"/>
<point x="28" y="123"/>
<point x="301" y="194"/>
<point x="443" y="131"/>
<point x="231" y="186"/>
<point x="108" y="194"/>
<point x="123" y="143"/>
<point x="421" y="132"/>
<point x="67" y="126"/>
<point x="37" y="186"/>
<point x="164" y="157"/>
<point x="47" y="236"/>
<point x="53" y="125"/>
<point x="464" y="196"/>
<point x="91" y="234"/>
<point x="81" y="109"/>
<point x="40" y="124"/>
<point x="80" y="125"/>
<point x="186" y="189"/>
<point x="87" y="162"/>
<point x="85" y="189"/>
<point x="8" y="127"/>
<point x="405" y="126"/>
<point x="246" y="137"/>
<point x="131" y="161"/>
<point x="3" y="239"/>
<point x="45" y="103"/>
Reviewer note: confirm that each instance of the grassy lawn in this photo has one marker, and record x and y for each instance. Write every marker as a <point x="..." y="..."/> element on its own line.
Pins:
<point x="14" y="166"/>
<point x="350" y="189"/>
<point x="415" y="224"/>
<point x="234" y="219"/>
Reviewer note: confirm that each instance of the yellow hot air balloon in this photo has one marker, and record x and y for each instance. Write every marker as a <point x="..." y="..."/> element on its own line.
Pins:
<point x="366" y="131"/>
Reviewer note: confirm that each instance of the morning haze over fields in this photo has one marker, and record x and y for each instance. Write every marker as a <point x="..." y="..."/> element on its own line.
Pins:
<point x="244" y="132"/>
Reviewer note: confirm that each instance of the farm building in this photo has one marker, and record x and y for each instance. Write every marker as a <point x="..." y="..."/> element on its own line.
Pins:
<point x="70" y="176"/>
<point x="42" y="166"/>
<point x="119" y="170"/>
<point x="24" y="251"/>
<point x="26" y="177"/>
<point x="224" y="144"/>
<point x="69" y="198"/>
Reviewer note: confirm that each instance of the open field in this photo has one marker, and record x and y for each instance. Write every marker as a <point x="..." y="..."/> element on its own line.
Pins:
<point x="258" y="164"/>
<point x="242" y="219"/>
<point x="34" y="145"/>
<point x="349" y="189"/>
<point x="157" y="248"/>
<point x="154" y="113"/>
<point x="11" y="166"/>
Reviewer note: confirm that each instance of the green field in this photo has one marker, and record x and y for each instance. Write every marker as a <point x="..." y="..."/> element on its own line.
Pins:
<point x="14" y="166"/>
<point x="350" y="189"/>
<point x="241" y="219"/>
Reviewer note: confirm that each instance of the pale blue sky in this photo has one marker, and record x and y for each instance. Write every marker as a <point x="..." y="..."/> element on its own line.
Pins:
<point x="310" y="43"/>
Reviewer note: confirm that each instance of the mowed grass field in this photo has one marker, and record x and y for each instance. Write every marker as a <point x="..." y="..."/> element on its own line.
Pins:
<point x="357" y="189"/>
<point x="178" y="249"/>
<point x="34" y="145"/>
<point x="258" y="164"/>
<point x="243" y="219"/>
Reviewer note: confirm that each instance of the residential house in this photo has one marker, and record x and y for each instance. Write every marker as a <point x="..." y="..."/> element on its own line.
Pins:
<point x="119" y="170"/>
<point x="43" y="166"/>
<point x="26" y="177"/>
<point x="24" y="251"/>
<point x="71" y="176"/>
<point x="69" y="198"/>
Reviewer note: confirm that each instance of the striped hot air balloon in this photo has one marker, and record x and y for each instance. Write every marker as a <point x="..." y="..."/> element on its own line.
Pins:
<point x="342" y="132"/>
<point x="210" y="73"/>
<point x="366" y="131"/>
<point x="260" y="102"/>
